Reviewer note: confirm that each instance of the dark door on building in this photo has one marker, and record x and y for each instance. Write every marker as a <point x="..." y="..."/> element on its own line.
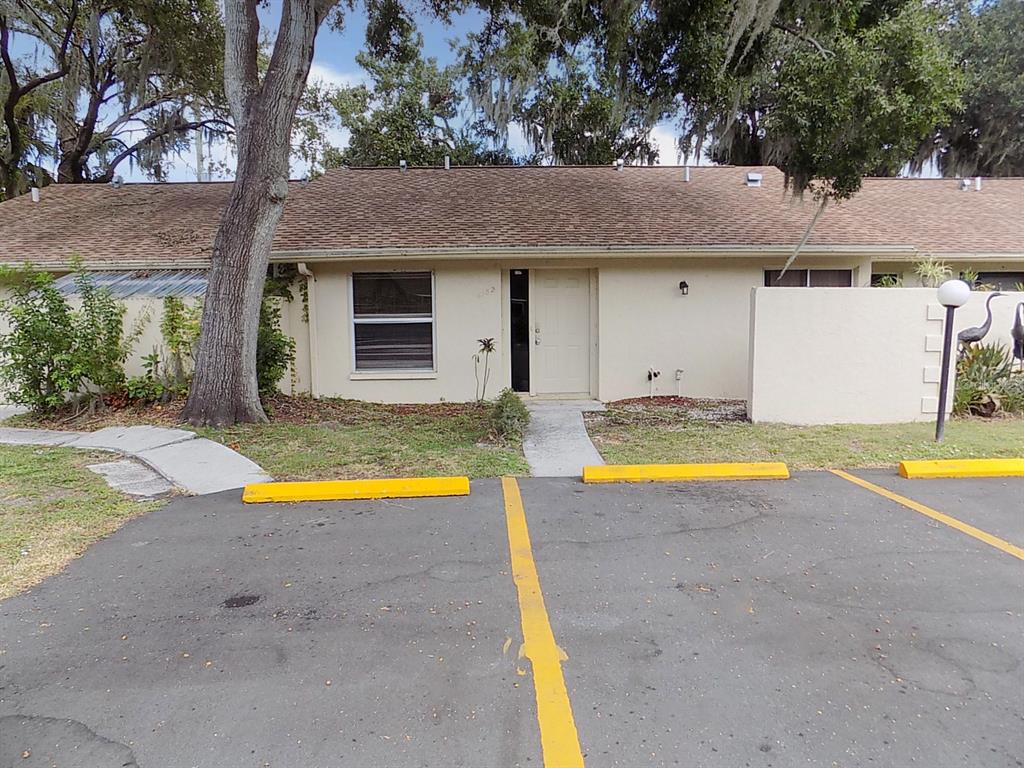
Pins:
<point x="519" y="284"/>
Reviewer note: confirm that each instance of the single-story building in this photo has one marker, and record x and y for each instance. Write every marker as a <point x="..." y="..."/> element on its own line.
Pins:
<point x="593" y="281"/>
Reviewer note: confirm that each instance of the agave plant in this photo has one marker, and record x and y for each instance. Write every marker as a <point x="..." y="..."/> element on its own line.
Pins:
<point x="984" y="376"/>
<point x="933" y="272"/>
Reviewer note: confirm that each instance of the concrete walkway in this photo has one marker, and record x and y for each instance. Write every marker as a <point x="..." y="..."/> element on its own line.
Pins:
<point x="10" y="410"/>
<point x="194" y="464"/>
<point x="557" y="443"/>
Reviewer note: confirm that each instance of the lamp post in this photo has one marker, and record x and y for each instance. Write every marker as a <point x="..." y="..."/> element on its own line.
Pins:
<point x="952" y="294"/>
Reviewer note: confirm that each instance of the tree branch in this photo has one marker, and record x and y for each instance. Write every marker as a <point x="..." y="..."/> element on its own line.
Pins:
<point x="134" y="112"/>
<point x="802" y="36"/>
<point x="129" y="150"/>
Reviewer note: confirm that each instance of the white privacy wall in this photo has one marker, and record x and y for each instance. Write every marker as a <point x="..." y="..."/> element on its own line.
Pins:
<point x="855" y="355"/>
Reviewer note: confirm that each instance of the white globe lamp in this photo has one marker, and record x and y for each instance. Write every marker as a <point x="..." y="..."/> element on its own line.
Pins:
<point x="954" y="293"/>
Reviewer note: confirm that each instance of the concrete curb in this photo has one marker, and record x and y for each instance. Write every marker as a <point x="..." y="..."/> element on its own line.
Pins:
<point x="347" y="490"/>
<point x="648" y="473"/>
<point x="925" y="470"/>
<point x="195" y="465"/>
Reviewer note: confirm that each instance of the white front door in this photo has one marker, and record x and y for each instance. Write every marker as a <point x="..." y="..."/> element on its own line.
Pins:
<point x="560" y="306"/>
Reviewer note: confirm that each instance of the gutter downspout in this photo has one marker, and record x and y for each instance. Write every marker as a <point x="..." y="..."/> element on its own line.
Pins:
<point x="314" y="368"/>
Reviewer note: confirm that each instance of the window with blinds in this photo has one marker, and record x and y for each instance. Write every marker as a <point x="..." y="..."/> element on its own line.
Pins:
<point x="393" y="321"/>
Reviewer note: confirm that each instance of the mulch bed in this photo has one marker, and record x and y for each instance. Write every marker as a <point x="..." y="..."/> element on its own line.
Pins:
<point x="672" y="408"/>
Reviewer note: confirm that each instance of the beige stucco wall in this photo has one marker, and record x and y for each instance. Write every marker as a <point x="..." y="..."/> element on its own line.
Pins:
<point x="646" y="322"/>
<point x="825" y="356"/>
<point x="468" y="306"/>
<point x="639" y="320"/>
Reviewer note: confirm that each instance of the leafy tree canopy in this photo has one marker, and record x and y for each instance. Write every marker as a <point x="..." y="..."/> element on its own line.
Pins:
<point x="109" y="80"/>
<point x="828" y="92"/>
<point x="987" y="136"/>
<point x="409" y="110"/>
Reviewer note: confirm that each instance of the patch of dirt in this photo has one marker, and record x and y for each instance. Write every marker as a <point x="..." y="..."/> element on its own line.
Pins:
<point x="668" y="408"/>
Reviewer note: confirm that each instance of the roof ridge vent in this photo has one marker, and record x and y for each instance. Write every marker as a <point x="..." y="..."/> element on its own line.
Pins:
<point x="754" y="178"/>
<point x="402" y="165"/>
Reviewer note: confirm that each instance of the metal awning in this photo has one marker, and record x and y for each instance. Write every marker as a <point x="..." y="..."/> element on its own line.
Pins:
<point x="157" y="283"/>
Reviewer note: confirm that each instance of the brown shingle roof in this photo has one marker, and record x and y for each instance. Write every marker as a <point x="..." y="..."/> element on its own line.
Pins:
<point x="136" y="224"/>
<point x="568" y="207"/>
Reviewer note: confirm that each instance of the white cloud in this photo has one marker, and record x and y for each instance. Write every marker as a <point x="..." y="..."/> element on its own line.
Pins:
<point x="325" y="74"/>
<point x="664" y="138"/>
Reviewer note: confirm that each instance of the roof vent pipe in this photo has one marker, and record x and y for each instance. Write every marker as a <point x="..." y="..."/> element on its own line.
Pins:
<point x="35" y="194"/>
<point x="401" y="165"/>
<point x="686" y="173"/>
<point x="977" y="183"/>
<point x="754" y="179"/>
<point x="619" y="163"/>
<point x="965" y="184"/>
<point x="447" y="162"/>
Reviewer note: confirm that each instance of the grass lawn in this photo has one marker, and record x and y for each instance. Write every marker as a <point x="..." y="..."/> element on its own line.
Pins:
<point x="338" y="439"/>
<point x="656" y="434"/>
<point x="51" y="509"/>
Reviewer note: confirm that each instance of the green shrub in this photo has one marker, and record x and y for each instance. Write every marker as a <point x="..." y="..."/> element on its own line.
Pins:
<point x="53" y="352"/>
<point x="150" y="387"/>
<point x="144" y="389"/>
<point x="1012" y="394"/>
<point x="509" y="416"/>
<point x="275" y="350"/>
<point x="985" y="382"/>
<point x="39" y="359"/>
<point x="100" y="338"/>
<point x="179" y="327"/>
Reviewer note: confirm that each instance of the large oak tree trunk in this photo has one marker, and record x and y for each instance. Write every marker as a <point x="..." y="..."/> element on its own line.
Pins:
<point x="224" y="389"/>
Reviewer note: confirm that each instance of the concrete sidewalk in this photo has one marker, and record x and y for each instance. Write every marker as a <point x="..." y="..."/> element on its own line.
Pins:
<point x="557" y="443"/>
<point x="193" y="464"/>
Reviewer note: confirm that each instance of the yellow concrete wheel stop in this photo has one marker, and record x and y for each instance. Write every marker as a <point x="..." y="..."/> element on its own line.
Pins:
<point x="347" y="490"/>
<point x="921" y="470"/>
<point x="653" y="473"/>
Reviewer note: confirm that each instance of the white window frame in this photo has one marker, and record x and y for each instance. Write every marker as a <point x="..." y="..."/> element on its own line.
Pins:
<point x="393" y="319"/>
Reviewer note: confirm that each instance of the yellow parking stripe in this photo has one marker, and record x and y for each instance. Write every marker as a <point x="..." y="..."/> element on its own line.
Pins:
<point x="952" y="522"/>
<point x="559" y="741"/>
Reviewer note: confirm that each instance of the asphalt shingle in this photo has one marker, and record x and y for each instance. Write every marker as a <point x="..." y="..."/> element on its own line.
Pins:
<point x="172" y="225"/>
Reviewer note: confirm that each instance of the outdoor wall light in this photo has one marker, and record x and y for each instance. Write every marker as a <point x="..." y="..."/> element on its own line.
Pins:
<point x="951" y="294"/>
<point x="684" y="288"/>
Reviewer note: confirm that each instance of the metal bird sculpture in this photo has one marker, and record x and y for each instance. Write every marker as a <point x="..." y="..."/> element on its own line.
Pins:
<point x="978" y="332"/>
<point x="1017" y="334"/>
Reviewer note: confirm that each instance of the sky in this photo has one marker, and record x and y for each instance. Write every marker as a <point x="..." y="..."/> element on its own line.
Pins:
<point x="334" y="63"/>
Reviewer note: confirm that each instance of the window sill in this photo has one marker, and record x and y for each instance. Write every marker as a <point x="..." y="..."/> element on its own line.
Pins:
<point x="391" y="375"/>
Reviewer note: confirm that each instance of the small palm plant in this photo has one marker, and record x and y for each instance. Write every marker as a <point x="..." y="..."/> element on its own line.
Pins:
<point x="483" y="354"/>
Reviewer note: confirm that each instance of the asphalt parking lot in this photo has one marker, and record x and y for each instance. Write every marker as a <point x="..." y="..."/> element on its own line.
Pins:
<point x="779" y="623"/>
